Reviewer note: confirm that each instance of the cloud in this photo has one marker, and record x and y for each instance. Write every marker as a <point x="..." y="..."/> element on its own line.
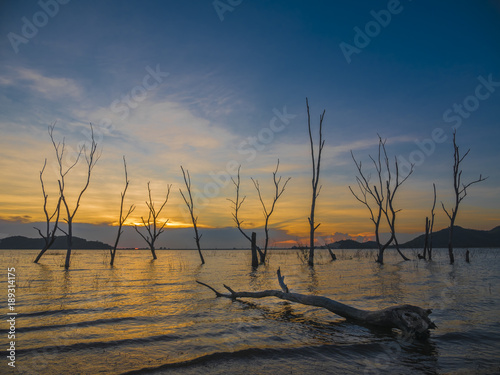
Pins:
<point x="33" y="81"/>
<point x="17" y="219"/>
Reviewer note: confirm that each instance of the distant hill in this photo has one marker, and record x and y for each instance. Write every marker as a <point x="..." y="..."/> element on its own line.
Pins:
<point x="462" y="237"/>
<point x="351" y="244"/>
<point x="20" y="242"/>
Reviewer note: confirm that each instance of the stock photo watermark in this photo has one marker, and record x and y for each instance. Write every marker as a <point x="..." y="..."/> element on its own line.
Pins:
<point x="122" y="107"/>
<point x="223" y="6"/>
<point x="34" y="361"/>
<point x="453" y="115"/>
<point x="30" y="26"/>
<point x="137" y="94"/>
<point x="363" y="36"/>
<point x="249" y="148"/>
<point x="11" y="316"/>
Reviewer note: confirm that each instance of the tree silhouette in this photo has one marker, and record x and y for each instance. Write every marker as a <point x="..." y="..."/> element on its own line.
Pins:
<point x="316" y="164"/>
<point x="153" y="228"/>
<point x="380" y="195"/>
<point x="122" y="218"/>
<point x="460" y="190"/>
<point x="278" y="191"/>
<point x="91" y="157"/>
<point x="50" y="234"/>
<point x="190" y="206"/>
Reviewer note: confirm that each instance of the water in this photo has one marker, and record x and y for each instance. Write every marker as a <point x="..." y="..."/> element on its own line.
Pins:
<point x="145" y="316"/>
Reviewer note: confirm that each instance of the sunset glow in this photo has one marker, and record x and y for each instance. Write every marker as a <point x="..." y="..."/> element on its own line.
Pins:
<point x="212" y="95"/>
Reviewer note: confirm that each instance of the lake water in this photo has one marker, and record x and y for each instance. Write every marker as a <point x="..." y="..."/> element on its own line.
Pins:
<point x="145" y="316"/>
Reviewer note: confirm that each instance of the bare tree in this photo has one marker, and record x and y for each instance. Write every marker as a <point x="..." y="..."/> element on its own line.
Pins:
<point x="429" y="225"/>
<point x="153" y="228"/>
<point x="122" y="218"/>
<point x="460" y="190"/>
<point x="190" y="206"/>
<point x="316" y="163"/>
<point x="50" y="234"/>
<point x="412" y="320"/>
<point x="91" y="157"/>
<point x="278" y="191"/>
<point x="237" y="203"/>
<point x="381" y="195"/>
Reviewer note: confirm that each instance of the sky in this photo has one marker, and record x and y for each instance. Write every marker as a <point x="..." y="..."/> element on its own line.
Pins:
<point x="213" y="85"/>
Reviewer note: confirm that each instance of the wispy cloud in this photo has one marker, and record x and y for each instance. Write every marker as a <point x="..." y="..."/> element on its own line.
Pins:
<point x="36" y="83"/>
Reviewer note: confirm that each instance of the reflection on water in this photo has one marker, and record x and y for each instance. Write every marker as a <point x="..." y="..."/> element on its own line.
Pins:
<point x="144" y="314"/>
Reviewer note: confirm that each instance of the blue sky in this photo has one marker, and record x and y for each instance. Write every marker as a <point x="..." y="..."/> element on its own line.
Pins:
<point x="170" y="83"/>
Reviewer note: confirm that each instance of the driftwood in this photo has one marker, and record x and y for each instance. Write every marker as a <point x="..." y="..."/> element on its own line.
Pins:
<point x="410" y="319"/>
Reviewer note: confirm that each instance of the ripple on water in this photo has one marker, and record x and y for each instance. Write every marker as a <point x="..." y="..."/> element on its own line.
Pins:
<point x="143" y="315"/>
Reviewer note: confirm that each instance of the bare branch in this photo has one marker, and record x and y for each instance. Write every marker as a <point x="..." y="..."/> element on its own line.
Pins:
<point x="151" y="224"/>
<point x="122" y="218"/>
<point x="278" y="191"/>
<point x="380" y="195"/>
<point x="460" y="190"/>
<point x="316" y="166"/>
<point x="190" y="206"/>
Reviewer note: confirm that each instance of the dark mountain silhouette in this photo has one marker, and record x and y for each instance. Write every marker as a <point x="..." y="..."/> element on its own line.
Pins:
<point x="462" y="237"/>
<point x="20" y="242"/>
<point x="352" y="244"/>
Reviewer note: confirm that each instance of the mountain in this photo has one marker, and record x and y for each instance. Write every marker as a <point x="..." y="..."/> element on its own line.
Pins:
<point x="351" y="244"/>
<point x="20" y="242"/>
<point x="462" y="237"/>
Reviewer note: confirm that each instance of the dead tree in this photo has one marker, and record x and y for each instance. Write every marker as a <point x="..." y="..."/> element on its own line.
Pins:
<point x="460" y="190"/>
<point x="278" y="191"/>
<point x="190" y="206"/>
<point x="50" y="234"/>
<point x="255" y="261"/>
<point x="122" y="218"/>
<point x="330" y="251"/>
<point x="429" y="225"/>
<point x="91" y="158"/>
<point x="316" y="163"/>
<point x="237" y="203"/>
<point x="412" y="320"/>
<point x="153" y="228"/>
<point x="381" y="194"/>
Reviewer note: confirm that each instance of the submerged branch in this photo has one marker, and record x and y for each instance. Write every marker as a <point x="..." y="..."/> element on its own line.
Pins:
<point x="410" y="319"/>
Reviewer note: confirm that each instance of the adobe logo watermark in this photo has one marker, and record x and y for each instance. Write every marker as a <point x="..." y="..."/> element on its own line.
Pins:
<point x="362" y="38"/>
<point x="30" y="28"/>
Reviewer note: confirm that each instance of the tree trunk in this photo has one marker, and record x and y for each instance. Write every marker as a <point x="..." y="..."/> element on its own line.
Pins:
<point x="399" y="251"/>
<point x="408" y="318"/>
<point x="450" y="246"/>
<point x="310" y="261"/>
<point x="153" y="252"/>
<point x="426" y="240"/>
<point x="70" y="244"/>
<point x="467" y="258"/>
<point x="255" y="261"/>
<point x="197" y="239"/>
<point x="41" y="253"/>
<point x="334" y="257"/>
<point x="380" y="256"/>
<point x="430" y="244"/>
<point x="113" y="253"/>
<point x="381" y="248"/>
<point x="68" y="256"/>
<point x="201" y="256"/>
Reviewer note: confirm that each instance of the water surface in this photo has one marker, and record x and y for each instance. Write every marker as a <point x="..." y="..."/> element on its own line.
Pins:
<point x="145" y="316"/>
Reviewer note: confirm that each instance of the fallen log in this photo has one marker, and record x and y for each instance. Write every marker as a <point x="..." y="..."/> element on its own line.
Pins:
<point x="412" y="320"/>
